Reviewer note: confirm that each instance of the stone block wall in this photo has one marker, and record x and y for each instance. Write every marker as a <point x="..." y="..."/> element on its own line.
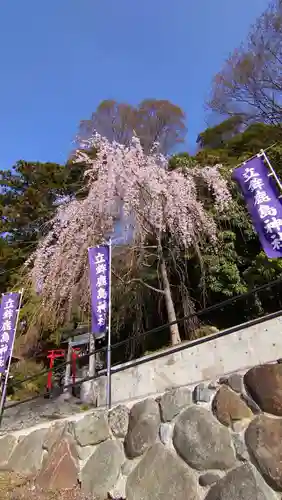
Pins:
<point x="220" y="441"/>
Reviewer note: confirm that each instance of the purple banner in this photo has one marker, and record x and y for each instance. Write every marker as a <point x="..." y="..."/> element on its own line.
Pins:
<point x="8" y="319"/>
<point x="262" y="199"/>
<point x="99" y="261"/>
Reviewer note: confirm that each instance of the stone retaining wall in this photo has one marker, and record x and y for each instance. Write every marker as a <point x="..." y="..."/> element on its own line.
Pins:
<point x="221" y="441"/>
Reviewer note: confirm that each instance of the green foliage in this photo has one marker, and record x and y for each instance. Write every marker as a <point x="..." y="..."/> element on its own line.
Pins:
<point x="84" y="407"/>
<point x="211" y="157"/>
<point x="28" y="194"/>
<point x="238" y="147"/>
<point x="216" y="137"/>
<point x="204" y="331"/>
<point x="238" y="264"/>
<point x="181" y="161"/>
<point x="27" y="368"/>
<point x="29" y="191"/>
<point x="255" y="137"/>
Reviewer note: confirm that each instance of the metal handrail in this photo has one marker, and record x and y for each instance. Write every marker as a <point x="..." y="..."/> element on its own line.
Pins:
<point x="145" y="334"/>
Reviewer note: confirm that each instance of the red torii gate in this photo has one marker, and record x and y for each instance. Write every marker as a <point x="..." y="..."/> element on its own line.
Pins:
<point x="61" y="353"/>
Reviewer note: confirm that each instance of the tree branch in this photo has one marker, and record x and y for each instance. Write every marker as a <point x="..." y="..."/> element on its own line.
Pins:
<point x="138" y="280"/>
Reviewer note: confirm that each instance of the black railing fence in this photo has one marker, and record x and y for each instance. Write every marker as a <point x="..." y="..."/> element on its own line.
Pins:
<point x="125" y="343"/>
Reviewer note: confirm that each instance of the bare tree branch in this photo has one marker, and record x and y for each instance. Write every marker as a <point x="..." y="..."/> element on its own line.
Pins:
<point x="138" y="280"/>
<point x="250" y="82"/>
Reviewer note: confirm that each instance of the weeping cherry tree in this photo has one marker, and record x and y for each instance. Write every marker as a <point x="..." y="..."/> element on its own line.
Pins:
<point x="155" y="205"/>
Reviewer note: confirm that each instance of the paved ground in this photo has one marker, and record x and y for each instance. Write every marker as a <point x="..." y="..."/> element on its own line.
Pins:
<point x="38" y="411"/>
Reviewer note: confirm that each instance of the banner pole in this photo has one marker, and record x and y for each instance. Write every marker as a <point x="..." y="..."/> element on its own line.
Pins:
<point x="4" y="387"/>
<point x="262" y="153"/>
<point x="109" y="388"/>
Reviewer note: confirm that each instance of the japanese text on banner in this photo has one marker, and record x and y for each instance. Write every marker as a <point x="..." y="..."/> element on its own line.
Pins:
<point x="8" y="319"/>
<point x="263" y="203"/>
<point x="99" y="281"/>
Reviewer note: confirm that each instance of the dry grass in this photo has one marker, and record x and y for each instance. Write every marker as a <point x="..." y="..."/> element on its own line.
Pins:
<point x="13" y="487"/>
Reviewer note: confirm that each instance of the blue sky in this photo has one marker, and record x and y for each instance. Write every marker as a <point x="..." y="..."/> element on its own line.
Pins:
<point x="60" y="58"/>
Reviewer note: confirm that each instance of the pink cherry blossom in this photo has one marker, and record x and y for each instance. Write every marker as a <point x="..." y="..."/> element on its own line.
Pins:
<point x="123" y="182"/>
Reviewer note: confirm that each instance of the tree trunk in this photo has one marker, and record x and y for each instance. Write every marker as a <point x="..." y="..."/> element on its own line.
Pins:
<point x="174" y="331"/>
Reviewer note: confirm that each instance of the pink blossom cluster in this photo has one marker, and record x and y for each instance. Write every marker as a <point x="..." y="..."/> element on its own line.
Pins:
<point x="121" y="179"/>
<point x="216" y="184"/>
